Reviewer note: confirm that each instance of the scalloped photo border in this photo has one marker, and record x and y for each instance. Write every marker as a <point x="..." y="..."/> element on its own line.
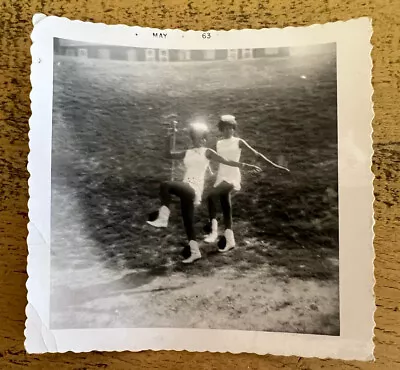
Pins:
<point x="356" y="220"/>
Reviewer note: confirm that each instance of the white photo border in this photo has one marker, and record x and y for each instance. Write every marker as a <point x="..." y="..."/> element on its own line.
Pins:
<point x="355" y="115"/>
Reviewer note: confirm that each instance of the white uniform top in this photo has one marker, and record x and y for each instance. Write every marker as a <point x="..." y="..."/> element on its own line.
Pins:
<point x="229" y="149"/>
<point x="196" y="164"/>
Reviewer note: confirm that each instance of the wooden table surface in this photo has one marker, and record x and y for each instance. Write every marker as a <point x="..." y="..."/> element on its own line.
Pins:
<point x="15" y="21"/>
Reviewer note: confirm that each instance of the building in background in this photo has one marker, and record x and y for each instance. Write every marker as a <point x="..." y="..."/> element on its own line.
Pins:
<point x="111" y="52"/>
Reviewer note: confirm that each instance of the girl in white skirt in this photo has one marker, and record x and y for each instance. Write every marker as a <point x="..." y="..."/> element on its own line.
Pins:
<point x="228" y="179"/>
<point x="190" y="190"/>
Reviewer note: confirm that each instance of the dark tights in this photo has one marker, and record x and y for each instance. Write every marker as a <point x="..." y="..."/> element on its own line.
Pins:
<point x="186" y="194"/>
<point x="222" y="192"/>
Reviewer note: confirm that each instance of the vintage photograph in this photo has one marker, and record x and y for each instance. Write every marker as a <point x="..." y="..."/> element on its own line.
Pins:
<point x="195" y="188"/>
<point x="201" y="190"/>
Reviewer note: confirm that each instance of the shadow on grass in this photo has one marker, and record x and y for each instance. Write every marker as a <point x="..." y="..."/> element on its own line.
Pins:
<point x="277" y="238"/>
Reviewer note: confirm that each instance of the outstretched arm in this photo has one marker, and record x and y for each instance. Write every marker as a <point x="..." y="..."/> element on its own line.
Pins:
<point x="172" y="154"/>
<point x="244" y="144"/>
<point x="214" y="156"/>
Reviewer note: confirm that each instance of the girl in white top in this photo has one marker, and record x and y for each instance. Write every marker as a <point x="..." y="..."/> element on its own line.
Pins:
<point x="228" y="179"/>
<point x="190" y="190"/>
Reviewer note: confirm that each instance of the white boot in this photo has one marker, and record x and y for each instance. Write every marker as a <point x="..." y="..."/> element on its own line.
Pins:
<point x="230" y="241"/>
<point x="212" y="237"/>
<point x="194" y="252"/>
<point x="162" y="219"/>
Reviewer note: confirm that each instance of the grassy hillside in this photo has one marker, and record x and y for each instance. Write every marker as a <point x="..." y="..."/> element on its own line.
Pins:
<point x="108" y="139"/>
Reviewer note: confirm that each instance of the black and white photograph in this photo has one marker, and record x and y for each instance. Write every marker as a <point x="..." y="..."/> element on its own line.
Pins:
<point x="199" y="188"/>
<point x="195" y="188"/>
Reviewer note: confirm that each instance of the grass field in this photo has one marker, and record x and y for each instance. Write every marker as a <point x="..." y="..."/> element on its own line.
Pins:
<point x="108" y="140"/>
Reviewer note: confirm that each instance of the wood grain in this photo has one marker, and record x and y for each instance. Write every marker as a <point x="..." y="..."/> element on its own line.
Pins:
<point x="15" y="21"/>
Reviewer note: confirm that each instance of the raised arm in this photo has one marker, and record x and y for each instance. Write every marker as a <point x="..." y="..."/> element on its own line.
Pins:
<point x="172" y="154"/>
<point x="244" y="145"/>
<point x="214" y="156"/>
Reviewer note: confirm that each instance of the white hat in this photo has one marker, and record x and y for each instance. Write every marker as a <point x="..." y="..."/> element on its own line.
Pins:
<point x="228" y="118"/>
